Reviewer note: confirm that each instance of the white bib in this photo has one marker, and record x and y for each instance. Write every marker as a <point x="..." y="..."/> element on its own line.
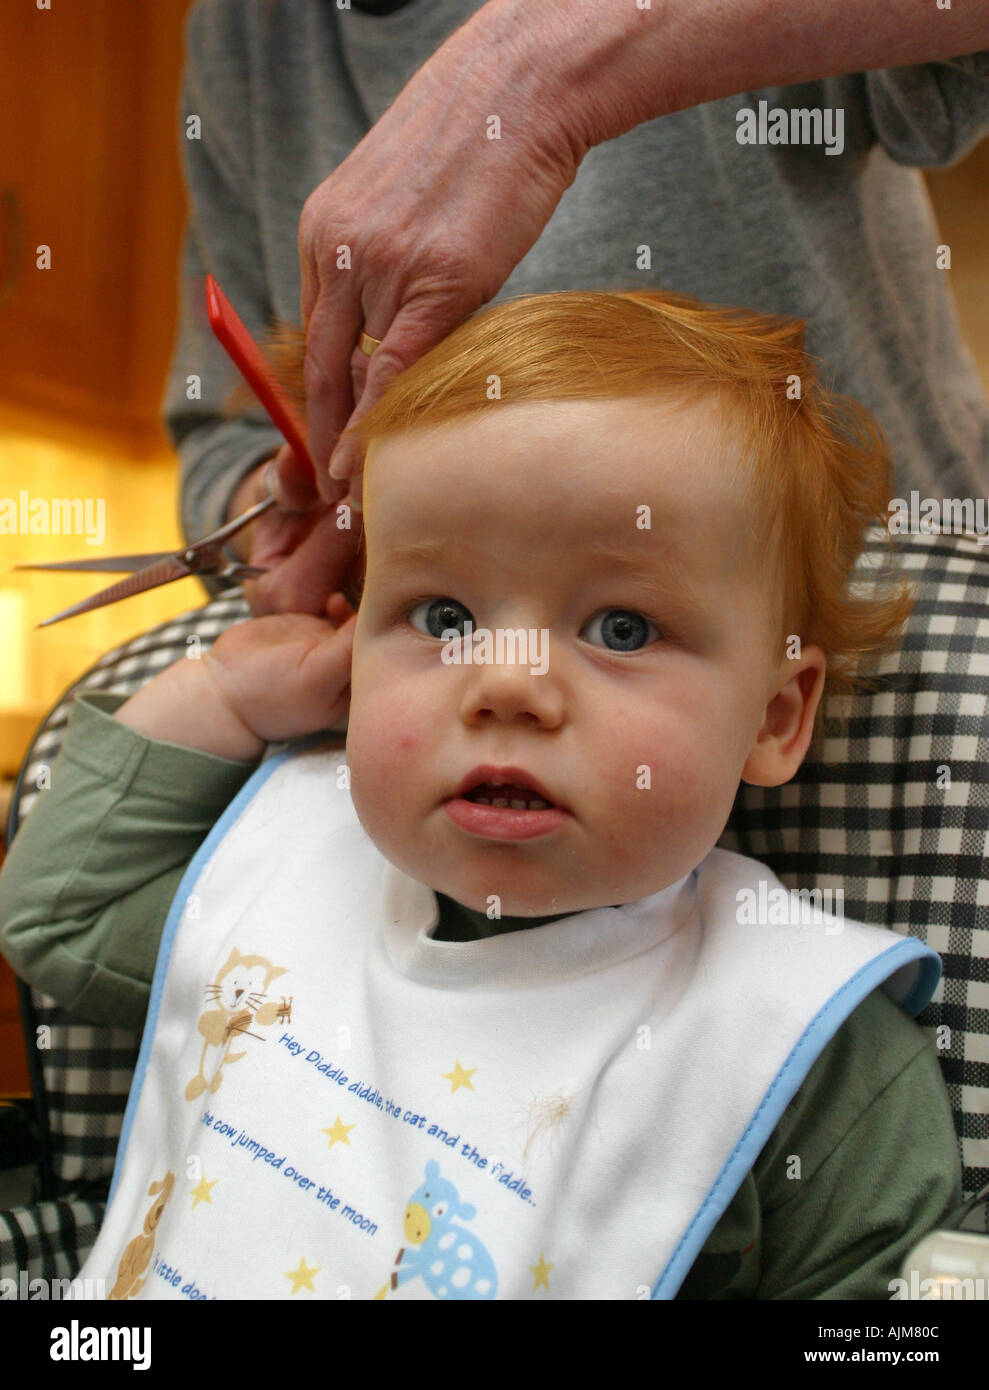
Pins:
<point x="328" y="1103"/>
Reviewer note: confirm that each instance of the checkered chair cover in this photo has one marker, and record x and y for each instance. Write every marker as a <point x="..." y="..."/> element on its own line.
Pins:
<point x="896" y="813"/>
<point x="878" y="816"/>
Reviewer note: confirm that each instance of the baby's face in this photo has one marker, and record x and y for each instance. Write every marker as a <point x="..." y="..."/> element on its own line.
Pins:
<point x="607" y="530"/>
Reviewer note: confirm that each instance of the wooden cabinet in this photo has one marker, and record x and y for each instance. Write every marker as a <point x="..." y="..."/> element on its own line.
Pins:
<point x="89" y="167"/>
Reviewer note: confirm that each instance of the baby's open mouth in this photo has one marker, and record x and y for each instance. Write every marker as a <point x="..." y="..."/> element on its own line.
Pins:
<point x="508" y="794"/>
<point x="505" y="803"/>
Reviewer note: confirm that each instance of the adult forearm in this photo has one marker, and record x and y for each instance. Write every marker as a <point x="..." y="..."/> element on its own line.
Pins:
<point x="608" y="65"/>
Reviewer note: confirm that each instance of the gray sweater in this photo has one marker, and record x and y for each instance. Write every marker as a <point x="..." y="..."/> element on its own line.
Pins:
<point x="286" y="88"/>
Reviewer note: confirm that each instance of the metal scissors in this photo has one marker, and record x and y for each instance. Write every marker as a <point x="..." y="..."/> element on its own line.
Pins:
<point x="204" y="556"/>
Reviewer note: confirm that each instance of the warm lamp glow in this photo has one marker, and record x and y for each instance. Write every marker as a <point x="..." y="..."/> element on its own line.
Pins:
<point x="14" y="684"/>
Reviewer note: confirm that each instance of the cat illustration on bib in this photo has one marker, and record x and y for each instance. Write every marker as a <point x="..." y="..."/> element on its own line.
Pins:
<point x="238" y="1006"/>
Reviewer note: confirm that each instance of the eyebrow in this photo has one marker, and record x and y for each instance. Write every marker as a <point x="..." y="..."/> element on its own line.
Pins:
<point x="660" y="575"/>
<point x="620" y="560"/>
<point x="632" y="565"/>
<point x="415" y="553"/>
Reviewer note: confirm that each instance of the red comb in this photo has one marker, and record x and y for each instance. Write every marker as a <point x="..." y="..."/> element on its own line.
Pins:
<point x="247" y="357"/>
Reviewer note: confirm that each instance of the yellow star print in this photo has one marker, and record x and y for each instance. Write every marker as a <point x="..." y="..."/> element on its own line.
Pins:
<point x="201" y="1193"/>
<point x="302" y="1277"/>
<point x="460" y="1076"/>
<point x="540" y="1273"/>
<point x="339" y="1133"/>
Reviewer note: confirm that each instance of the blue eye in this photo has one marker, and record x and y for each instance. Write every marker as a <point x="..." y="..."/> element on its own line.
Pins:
<point x="623" y="630"/>
<point x="442" y="615"/>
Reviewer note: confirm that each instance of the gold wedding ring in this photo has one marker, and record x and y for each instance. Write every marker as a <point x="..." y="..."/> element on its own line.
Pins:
<point x="367" y="344"/>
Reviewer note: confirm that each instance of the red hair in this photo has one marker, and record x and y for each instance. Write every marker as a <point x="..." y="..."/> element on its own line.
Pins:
<point x="815" y="463"/>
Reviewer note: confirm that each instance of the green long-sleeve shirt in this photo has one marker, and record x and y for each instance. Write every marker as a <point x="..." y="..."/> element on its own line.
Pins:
<point x="91" y="875"/>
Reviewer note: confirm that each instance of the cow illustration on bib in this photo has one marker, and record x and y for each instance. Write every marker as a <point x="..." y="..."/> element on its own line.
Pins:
<point x="452" y="1260"/>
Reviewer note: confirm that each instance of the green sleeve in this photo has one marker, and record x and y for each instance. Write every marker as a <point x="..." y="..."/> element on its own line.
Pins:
<point x="90" y="876"/>
<point x="863" y="1164"/>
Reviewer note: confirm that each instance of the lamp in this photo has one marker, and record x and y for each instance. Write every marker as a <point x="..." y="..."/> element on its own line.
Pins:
<point x="14" y="682"/>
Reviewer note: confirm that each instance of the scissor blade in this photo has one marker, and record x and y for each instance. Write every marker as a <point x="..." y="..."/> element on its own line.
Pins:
<point x="110" y="564"/>
<point x="149" y="578"/>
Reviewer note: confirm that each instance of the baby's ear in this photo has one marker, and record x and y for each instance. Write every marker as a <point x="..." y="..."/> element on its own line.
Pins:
<point x="284" y="348"/>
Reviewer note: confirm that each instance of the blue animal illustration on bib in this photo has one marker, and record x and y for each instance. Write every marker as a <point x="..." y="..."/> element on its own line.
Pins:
<point x="451" y="1259"/>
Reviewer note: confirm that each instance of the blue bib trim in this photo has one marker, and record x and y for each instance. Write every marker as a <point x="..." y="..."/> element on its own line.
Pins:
<point x="790" y="1078"/>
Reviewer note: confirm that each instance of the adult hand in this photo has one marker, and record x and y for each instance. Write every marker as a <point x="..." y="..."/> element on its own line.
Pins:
<point x="314" y="561"/>
<point x="436" y="206"/>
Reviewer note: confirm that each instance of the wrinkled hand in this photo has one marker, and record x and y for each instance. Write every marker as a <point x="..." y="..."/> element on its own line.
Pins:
<point x="436" y="214"/>
<point x="313" y="560"/>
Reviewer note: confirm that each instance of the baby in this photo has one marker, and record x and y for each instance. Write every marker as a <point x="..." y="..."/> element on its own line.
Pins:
<point x="475" y="1012"/>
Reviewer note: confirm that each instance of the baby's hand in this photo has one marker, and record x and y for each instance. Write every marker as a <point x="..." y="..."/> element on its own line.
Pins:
<point x="273" y="678"/>
<point x="286" y="674"/>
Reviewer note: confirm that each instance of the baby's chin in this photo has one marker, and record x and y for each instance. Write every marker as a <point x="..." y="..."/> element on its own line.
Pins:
<point x="517" y="886"/>
<point x="541" y="900"/>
